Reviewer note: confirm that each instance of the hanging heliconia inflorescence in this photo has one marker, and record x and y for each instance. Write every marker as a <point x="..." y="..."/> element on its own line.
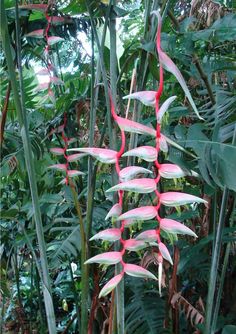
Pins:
<point x="62" y="151"/>
<point x="129" y="182"/>
<point x="48" y="72"/>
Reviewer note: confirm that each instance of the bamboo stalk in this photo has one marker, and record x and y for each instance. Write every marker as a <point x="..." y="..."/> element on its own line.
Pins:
<point x="30" y="169"/>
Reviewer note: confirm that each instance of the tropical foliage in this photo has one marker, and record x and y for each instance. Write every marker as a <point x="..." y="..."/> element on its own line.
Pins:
<point x="88" y="179"/>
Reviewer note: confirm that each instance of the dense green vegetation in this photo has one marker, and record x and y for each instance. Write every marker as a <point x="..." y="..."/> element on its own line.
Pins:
<point x="54" y="94"/>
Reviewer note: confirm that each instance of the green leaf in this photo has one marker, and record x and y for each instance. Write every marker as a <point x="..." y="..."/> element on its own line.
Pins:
<point x="229" y="329"/>
<point x="9" y="214"/>
<point x="217" y="160"/>
<point x="224" y="29"/>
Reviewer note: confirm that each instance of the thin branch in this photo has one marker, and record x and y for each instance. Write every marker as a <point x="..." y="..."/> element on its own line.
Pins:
<point x="4" y="113"/>
<point x="204" y="78"/>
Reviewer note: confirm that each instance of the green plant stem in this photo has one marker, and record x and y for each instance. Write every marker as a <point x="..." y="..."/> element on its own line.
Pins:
<point x="119" y="296"/>
<point x="204" y="77"/>
<point x="30" y="169"/>
<point x="84" y="267"/>
<point x="220" y="289"/>
<point x="40" y="303"/>
<point x="226" y="259"/>
<point x="92" y="122"/>
<point x="17" y="277"/>
<point x="92" y="174"/>
<point x="214" y="265"/>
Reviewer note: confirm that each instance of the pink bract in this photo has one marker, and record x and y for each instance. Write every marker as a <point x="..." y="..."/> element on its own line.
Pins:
<point x="141" y="186"/>
<point x="111" y="284"/>
<point x="172" y="226"/>
<point x="170" y="171"/>
<point x="58" y="167"/>
<point x="72" y="173"/>
<point x="131" y="126"/>
<point x="75" y="157"/>
<point x="176" y="198"/>
<point x="111" y="234"/>
<point x="137" y="271"/>
<point x="149" y="236"/>
<point x="148" y="98"/>
<point x="54" y="39"/>
<point x="135" y="245"/>
<point x="106" y="258"/>
<point x="164" y="252"/>
<point x="57" y="150"/>
<point x="142" y="213"/>
<point x="128" y="173"/>
<point x="114" y="212"/>
<point x="147" y="153"/>
<point x="102" y="154"/>
<point x="164" y="108"/>
<point x="36" y="33"/>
